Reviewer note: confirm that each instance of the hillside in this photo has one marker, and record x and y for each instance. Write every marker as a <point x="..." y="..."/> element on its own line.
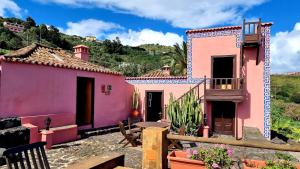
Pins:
<point x="131" y="61"/>
<point x="285" y="105"/>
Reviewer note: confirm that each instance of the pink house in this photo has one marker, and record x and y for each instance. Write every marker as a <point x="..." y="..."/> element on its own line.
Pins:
<point x="228" y="69"/>
<point x="37" y="82"/>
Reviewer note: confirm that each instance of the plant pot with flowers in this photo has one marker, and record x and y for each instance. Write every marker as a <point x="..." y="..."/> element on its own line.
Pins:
<point x="135" y="103"/>
<point x="280" y="161"/>
<point x="218" y="157"/>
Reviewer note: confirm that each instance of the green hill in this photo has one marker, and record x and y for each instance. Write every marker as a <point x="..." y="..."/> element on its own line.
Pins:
<point x="285" y="105"/>
<point x="131" y="61"/>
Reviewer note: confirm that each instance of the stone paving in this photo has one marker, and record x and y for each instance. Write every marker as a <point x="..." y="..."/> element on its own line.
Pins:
<point x="60" y="156"/>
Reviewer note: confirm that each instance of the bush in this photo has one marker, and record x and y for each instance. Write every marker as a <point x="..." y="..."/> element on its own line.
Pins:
<point x="295" y="97"/>
<point x="292" y="110"/>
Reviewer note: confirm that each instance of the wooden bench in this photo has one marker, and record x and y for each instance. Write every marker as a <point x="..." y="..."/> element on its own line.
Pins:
<point x="100" y="162"/>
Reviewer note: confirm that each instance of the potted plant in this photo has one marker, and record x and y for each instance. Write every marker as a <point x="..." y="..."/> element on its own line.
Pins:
<point x="251" y="164"/>
<point x="218" y="157"/>
<point x="135" y="103"/>
<point x="281" y="161"/>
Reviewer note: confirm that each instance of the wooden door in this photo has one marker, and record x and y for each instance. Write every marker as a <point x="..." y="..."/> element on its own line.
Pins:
<point x="85" y="101"/>
<point x="223" y="117"/>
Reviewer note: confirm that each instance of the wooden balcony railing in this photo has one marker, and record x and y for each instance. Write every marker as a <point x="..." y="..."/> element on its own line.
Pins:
<point x="252" y="32"/>
<point x="225" y="83"/>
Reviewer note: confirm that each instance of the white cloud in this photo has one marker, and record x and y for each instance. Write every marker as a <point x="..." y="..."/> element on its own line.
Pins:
<point x="180" y="13"/>
<point x="285" y="51"/>
<point x="90" y="27"/>
<point x="9" y="6"/>
<point x="147" y="36"/>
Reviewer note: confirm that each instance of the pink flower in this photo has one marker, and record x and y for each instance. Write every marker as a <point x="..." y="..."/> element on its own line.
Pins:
<point x="222" y="146"/>
<point x="229" y="151"/>
<point x="215" y="166"/>
<point x="195" y="152"/>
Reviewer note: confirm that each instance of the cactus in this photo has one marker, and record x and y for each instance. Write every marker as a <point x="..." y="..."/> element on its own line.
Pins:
<point x="185" y="113"/>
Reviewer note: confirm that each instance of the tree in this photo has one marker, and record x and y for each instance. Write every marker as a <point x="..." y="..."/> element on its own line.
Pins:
<point x="44" y="31"/>
<point x="29" y="23"/>
<point x="113" y="46"/>
<point x="177" y="59"/>
<point x="54" y="35"/>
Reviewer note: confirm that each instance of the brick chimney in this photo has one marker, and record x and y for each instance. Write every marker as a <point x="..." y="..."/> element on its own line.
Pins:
<point x="82" y="52"/>
<point x="166" y="70"/>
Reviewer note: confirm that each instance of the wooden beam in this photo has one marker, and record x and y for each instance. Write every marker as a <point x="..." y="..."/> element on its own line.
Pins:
<point x="245" y="143"/>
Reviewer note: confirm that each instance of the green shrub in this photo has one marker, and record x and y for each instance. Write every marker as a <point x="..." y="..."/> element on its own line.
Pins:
<point x="295" y="97"/>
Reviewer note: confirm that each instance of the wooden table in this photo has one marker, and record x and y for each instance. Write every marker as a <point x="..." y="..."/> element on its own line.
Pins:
<point x="151" y="124"/>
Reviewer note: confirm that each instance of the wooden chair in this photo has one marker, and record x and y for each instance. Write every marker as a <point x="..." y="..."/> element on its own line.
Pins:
<point x="130" y="137"/>
<point x="27" y="156"/>
<point x="131" y="123"/>
<point x="175" y="143"/>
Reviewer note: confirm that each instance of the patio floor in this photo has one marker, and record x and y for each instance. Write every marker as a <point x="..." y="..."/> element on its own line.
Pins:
<point x="64" y="154"/>
<point x="60" y="156"/>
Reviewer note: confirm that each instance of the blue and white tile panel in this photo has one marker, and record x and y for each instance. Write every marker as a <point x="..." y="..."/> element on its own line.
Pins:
<point x="267" y="111"/>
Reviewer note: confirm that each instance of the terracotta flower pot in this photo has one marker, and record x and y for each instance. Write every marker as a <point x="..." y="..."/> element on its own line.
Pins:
<point x="258" y="164"/>
<point x="179" y="160"/>
<point x="250" y="164"/>
<point x="134" y="113"/>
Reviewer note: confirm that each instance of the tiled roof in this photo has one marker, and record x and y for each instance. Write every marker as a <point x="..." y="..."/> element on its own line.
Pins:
<point x="155" y="74"/>
<point x="222" y="28"/>
<point x="42" y="55"/>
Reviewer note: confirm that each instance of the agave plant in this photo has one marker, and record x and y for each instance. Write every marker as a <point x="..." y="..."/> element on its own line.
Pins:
<point x="185" y="113"/>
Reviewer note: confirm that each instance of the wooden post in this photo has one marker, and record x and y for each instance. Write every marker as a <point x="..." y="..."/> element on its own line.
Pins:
<point x="155" y="148"/>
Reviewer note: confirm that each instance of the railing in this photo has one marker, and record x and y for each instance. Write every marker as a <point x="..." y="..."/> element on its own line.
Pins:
<point x="196" y="90"/>
<point x="251" y="31"/>
<point x="226" y="83"/>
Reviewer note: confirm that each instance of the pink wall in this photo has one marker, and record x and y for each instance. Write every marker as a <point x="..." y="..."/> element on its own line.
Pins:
<point x="176" y="89"/>
<point x="28" y="90"/>
<point x="251" y="110"/>
<point x="204" y="48"/>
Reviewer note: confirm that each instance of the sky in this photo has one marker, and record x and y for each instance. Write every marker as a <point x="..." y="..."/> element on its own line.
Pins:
<point x="138" y="22"/>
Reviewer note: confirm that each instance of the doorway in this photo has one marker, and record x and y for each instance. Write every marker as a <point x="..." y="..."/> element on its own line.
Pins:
<point x="85" y="101"/>
<point x="154" y="106"/>
<point x="223" y="67"/>
<point x="223" y="115"/>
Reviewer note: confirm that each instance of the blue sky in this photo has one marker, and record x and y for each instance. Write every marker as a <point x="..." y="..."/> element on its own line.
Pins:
<point x="164" y="21"/>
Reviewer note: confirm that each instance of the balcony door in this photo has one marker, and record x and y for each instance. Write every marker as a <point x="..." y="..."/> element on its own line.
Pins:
<point x="223" y="70"/>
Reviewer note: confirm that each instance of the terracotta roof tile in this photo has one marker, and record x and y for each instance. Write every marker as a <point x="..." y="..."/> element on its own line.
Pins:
<point x="222" y="28"/>
<point x="155" y="74"/>
<point x="55" y="57"/>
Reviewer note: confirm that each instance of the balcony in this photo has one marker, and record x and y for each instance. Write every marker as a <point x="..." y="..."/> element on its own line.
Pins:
<point x="252" y="32"/>
<point x="224" y="89"/>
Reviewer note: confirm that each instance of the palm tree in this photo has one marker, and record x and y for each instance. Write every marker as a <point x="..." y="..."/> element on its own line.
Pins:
<point x="180" y="59"/>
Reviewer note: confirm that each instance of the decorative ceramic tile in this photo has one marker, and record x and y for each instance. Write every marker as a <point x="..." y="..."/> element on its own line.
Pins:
<point x="267" y="113"/>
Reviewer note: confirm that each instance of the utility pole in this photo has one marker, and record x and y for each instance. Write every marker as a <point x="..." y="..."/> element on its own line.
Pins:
<point x="40" y="35"/>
